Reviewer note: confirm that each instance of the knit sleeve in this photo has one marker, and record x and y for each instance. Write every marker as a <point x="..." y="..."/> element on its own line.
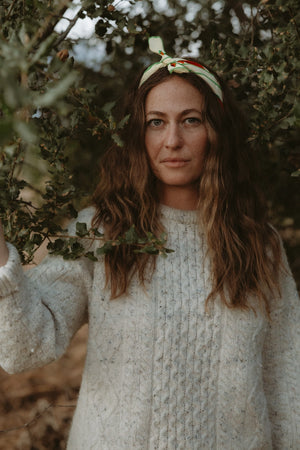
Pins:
<point x="281" y="359"/>
<point x="41" y="310"/>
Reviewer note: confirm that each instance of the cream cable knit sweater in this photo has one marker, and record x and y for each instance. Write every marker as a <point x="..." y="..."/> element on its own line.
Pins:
<point x="161" y="372"/>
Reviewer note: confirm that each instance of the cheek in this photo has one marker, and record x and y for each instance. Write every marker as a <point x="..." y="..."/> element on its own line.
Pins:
<point x="200" y="145"/>
<point x="152" y="147"/>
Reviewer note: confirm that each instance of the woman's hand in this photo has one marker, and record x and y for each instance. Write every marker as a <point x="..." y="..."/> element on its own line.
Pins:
<point x="3" y="248"/>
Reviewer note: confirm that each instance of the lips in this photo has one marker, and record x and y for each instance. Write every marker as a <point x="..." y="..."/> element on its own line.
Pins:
<point x="174" y="162"/>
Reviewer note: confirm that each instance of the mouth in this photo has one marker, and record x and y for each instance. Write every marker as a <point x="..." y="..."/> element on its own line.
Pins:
<point x="174" y="162"/>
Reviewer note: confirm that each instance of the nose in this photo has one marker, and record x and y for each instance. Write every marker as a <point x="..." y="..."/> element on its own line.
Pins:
<point x="173" y="136"/>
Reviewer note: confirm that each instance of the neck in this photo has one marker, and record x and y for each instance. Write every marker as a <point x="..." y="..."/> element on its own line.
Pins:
<point x="178" y="197"/>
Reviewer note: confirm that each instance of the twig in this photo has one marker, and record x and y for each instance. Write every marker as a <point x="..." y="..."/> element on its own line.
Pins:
<point x="294" y="21"/>
<point x="65" y="33"/>
<point x="10" y="9"/>
<point x="98" y="238"/>
<point x="68" y="236"/>
<point x="11" y="174"/>
<point x="44" y="31"/>
<point x="38" y="416"/>
<point x="252" y="35"/>
<point x="28" y="205"/>
<point x="283" y="117"/>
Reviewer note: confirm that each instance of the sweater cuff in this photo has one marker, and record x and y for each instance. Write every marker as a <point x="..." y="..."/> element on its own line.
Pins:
<point x="11" y="273"/>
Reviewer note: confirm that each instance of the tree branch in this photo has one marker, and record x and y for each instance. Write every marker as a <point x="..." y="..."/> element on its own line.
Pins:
<point x="65" y="33"/>
<point x="10" y="9"/>
<point x="38" y="416"/>
<point x="49" y="25"/>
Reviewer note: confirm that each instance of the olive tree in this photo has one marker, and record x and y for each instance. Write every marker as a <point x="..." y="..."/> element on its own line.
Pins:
<point x="57" y="114"/>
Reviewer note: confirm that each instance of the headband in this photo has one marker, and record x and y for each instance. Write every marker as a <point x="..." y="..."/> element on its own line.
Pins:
<point x="179" y="65"/>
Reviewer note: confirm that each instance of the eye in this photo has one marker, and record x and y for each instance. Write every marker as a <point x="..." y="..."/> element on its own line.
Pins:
<point x="193" y="121"/>
<point x="154" y="123"/>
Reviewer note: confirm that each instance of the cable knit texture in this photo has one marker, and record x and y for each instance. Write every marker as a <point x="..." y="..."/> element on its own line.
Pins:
<point x="161" y="372"/>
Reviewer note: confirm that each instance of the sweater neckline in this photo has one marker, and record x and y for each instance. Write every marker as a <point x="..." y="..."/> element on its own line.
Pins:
<point x="179" y="215"/>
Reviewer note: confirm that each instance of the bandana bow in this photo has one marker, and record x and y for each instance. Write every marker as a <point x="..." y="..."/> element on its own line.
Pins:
<point x="179" y="65"/>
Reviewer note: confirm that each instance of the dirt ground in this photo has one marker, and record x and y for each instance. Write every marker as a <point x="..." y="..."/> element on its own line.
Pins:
<point x="36" y="407"/>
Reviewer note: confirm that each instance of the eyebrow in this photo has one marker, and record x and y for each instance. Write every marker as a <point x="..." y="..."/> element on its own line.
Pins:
<point x="185" y="112"/>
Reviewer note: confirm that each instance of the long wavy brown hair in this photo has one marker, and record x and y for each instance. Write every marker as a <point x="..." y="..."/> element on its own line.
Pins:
<point x="244" y="249"/>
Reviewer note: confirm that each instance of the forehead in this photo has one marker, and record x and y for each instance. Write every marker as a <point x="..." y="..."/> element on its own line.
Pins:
<point x="174" y="94"/>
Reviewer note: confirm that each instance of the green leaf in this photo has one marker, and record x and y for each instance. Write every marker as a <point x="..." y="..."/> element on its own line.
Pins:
<point x="81" y="229"/>
<point x="26" y="131"/>
<point x="91" y="256"/>
<point x="6" y="130"/>
<point x="96" y="233"/>
<point x="150" y="249"/>
<point x="107" y="108"/>
<point x="123" y="122"/>
<point x="296" y="173"/>
<point x="54" y="93"/>
<point x="101" y="28"/>
<point x="56" y="246"/>
<point x="37" y="239"/>
<point x="43" y="48"/>
<point x="131" y="235"/>
<point x="106" y="248"/>
<point x="116" y="138"/>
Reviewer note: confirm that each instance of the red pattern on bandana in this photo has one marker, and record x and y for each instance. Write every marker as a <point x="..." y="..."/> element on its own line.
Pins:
<point x="193" y="63"/>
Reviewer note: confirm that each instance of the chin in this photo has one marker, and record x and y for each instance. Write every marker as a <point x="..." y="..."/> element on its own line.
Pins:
<point x="179" y="182"/>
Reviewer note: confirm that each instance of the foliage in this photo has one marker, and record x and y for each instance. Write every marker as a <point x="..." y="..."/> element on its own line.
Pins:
<point x="70" y="247"/>
<point x="57" y="116"/>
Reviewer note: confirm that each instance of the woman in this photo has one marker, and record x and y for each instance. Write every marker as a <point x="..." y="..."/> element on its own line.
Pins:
<point x="194" y="351"/>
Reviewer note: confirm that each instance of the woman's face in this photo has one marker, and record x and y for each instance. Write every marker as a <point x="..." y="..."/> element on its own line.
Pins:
<point x="176" y="137"/>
